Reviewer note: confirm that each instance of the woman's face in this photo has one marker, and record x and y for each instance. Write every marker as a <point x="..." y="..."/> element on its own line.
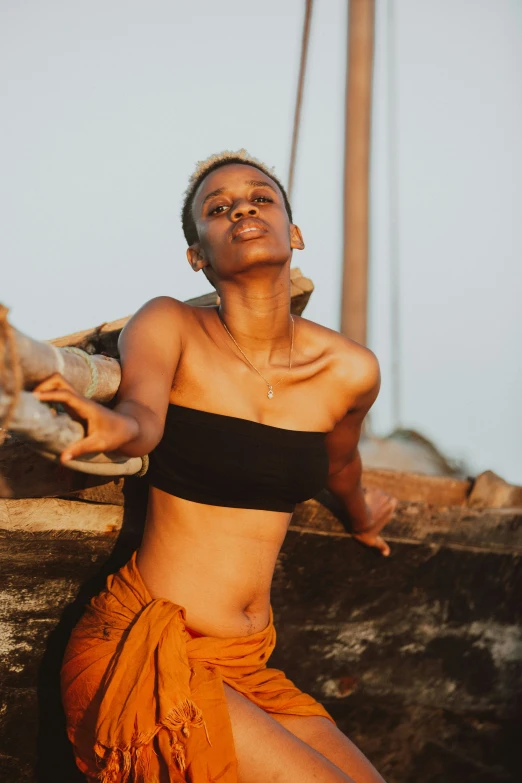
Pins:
<point x="241" y="221"/>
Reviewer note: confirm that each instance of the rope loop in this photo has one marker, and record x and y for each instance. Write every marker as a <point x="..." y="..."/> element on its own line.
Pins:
<point x="92" y="367"/>
<point x="144" y="466"/>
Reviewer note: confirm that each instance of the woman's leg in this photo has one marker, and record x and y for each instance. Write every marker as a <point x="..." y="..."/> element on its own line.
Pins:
<point x="319" y="733"/>
<point x="267" y="752"/>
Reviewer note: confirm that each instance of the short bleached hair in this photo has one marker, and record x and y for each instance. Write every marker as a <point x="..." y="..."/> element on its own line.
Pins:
<point x="206" y="167"/>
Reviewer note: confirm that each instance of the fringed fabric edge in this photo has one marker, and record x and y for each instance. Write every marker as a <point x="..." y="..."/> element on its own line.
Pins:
<point x="117" y="763"/>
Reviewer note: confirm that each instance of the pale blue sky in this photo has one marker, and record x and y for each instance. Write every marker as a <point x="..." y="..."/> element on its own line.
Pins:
<point x="107" y="106"/>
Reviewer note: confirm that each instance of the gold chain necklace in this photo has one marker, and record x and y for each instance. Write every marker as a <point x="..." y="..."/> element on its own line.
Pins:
<point x="271" y="386"/>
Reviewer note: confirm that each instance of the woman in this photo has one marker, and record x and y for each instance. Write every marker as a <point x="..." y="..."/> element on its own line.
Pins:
<point x="246" y="410"/>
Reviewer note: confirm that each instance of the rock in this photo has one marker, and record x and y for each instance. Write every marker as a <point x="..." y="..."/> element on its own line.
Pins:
<point x="491" y="491"/>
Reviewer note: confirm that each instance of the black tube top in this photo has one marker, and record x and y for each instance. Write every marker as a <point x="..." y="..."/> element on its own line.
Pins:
<point x="228" y="461"/>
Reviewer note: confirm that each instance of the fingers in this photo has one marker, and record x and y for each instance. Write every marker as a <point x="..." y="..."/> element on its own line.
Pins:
<point x="373" y="542"/>
<point x="56" y="389"/>
<point x="54" y="381"/>
<point x="68" y="397"/>
<point x="381" y="545"/>
<point x="382" y="507"/>
<point x="101" y="424"/>
<point x="88" y="445"/>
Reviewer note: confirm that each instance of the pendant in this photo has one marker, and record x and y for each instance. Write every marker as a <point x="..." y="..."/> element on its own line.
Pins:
<point x="270" y="393"/>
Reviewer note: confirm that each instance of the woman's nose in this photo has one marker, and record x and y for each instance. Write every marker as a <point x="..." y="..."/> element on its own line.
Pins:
<point x="243" y="209"/>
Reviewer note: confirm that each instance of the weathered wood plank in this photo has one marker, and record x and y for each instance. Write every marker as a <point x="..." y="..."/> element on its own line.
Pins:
<point x="417" y="487"/>
<point x="56" y="515"/>
<point x="449" y="622"/>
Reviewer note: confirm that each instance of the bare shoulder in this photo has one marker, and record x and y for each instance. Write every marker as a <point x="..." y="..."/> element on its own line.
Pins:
<point x="162" y="315"/>
<point x="356" y="366"/>
<point x="160" y="307"/>
<point x="353" y="368"/>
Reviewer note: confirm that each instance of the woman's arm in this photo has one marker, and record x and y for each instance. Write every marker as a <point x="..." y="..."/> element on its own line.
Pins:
<point x="150" y="347"/>
<point x="360" y="376"/>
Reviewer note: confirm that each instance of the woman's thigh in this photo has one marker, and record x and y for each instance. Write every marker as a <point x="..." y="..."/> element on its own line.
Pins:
<point x="321" y="735"/>
<point x="267" y="752"/>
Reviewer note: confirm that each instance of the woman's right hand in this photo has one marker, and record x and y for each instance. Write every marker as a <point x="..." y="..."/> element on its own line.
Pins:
<point x="106" y="430"/>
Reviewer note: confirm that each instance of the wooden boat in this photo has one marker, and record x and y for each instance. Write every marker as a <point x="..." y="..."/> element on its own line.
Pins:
<point x="418" y="656"/>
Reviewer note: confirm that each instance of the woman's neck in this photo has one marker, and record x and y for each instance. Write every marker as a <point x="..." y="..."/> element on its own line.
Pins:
<point x="259" y="321"/>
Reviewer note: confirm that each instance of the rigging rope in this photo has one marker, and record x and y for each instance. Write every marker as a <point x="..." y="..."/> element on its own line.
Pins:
<point x="299" y="97"/>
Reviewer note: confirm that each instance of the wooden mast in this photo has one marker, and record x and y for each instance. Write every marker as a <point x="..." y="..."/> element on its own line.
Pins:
<point x="354" y="305"/>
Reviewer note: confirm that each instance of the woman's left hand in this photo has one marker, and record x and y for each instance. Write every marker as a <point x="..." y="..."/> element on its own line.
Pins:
<point x="381" y="507"/>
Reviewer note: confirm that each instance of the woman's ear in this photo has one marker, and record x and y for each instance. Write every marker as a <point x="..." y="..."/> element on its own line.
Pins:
<point x="195" y="257"/>
<point x="296" y="238"/>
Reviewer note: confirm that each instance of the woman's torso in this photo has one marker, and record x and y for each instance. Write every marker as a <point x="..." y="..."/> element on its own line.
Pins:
<point x="218" y="561"/>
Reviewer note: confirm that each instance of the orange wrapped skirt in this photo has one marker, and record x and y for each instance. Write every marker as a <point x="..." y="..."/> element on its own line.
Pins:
<point x="144" y="699"/>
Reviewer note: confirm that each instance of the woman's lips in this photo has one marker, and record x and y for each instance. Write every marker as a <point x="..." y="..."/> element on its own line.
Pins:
<point x="248" y="230"/>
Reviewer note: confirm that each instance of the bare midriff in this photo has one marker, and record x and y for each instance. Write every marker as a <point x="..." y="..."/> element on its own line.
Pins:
<point x="216" y="562"/>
